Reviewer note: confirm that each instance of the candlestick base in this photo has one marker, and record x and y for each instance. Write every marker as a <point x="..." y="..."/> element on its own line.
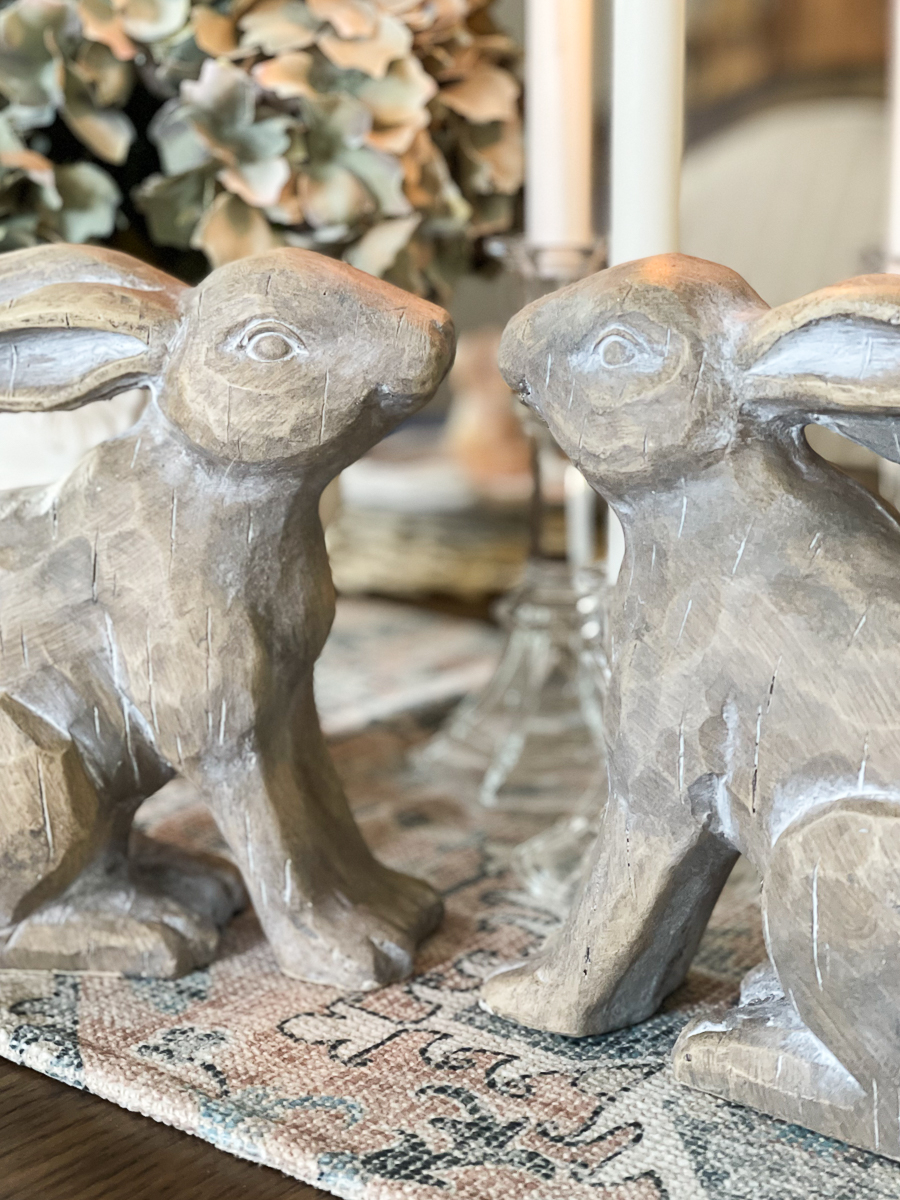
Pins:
<point x="550" y="864"/>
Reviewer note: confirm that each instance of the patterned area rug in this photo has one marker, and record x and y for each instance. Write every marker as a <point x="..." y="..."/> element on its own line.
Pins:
<point x="414" y="1091"/>
<point x="383" y="658"/>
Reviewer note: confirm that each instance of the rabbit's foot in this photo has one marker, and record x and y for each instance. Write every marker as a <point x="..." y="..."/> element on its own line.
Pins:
<point x="205" y="884"/>
<point x="358" y="941"/>
<point x="761" y="1054"/>
<point x="116" y="927"/>
<point x="548" y="991"/>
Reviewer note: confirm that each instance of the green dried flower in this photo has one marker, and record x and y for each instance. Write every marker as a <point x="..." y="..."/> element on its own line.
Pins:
<point x="40" y="202"/>
<point x="384" y="131"/>
<point x="32" y="34"/>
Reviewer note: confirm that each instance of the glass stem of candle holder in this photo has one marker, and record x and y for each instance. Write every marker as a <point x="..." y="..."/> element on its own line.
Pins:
<point x="532" y="739"/>
<point x="536" y="502"/>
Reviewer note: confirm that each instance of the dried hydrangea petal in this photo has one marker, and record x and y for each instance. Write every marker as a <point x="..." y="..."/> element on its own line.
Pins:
<point x="104" y="23"/>
<point x="488" y="94"/>
<point x="497" y="153"/>
<point x="179" y="144"/>
<point x="29" y="63"/>
<point x="221" y="107"/>
<point x="154" y="20"/>
<point x="106" y="132"/>
<point x="108" y="80"/>
<point x="231" y="229"/>
<point x="258" y="183"/>
<point x="333" y="195"/>
<point x="373" y="55"/>
<point x="174" y="205"/>
<point x="383" y="176"/>
<point x="377" y="250"/>
<point x="286" y="76"/>
<point x="401" y="96"/>
<point x="39" y="170"/>
<point x="348" y="18"/>
<point x="90" y="201"/>
<point x="274" y="26"/>
<point x="214" y="31"/>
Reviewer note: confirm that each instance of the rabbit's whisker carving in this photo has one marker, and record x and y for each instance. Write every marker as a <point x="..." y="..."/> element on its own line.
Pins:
<point x="170" y="600"/>
<point x="753" y="707"/>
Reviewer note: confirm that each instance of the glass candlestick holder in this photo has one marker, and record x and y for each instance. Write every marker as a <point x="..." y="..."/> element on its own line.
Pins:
<point x="533" y="738"/>
<point x="550" y="864"/>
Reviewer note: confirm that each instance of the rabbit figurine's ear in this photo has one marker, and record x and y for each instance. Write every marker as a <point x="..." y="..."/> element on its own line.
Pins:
<point x="831" y="357"/>
<point x="79" y="323"/>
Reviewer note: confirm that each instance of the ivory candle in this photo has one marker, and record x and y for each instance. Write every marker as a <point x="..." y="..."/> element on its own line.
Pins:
<point x="558" y="130"/>
<point x="889" y="472"/>
<point x="893" y="231"/>
<point x="559" y="108"/>
<point x="581" y="510"/>
<point x="647" y="140"/>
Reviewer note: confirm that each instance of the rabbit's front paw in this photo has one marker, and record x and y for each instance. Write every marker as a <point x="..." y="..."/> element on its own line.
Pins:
<point x="532" y="994"/>
<point x="564" y="990"/>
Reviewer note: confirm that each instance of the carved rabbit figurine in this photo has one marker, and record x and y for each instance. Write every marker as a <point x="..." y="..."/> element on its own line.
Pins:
<point x="755" y="699"/>
<point x="162" y="608"/>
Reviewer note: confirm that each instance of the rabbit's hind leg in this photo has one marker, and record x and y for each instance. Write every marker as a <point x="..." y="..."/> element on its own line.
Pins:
<point x="71" y="896"/>
<point x="152" y="913"/>
<point x="819" y="1044"/>
<point x="50" y="814"/>
<point x="202" y="883"/>
<point x="112" y="927"/>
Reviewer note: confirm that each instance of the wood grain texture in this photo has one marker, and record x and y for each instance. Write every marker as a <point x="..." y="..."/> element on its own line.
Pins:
<point x="60" y="1144"/>
<point x="162" y="609"/>
<point x="753" y="707"/>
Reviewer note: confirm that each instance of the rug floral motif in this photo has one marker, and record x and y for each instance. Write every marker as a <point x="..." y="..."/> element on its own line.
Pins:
<point x="414" y="1091"/>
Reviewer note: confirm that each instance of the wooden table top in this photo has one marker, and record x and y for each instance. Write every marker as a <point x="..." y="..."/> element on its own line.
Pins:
<point x="57" y="1143"/>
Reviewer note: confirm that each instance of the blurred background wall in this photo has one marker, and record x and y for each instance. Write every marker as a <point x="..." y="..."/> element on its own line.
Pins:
<point x="785" y="172"/>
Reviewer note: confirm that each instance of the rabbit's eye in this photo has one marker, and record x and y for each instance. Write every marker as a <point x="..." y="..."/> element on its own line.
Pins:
<point x="617" y="349"/>
<point x="271" y="343"/>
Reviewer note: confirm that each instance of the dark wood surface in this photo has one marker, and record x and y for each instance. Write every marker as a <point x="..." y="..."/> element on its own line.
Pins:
<point x="57" y="1143"/>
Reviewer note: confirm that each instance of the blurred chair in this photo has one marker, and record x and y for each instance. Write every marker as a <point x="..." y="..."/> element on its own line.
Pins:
<point x="37" y="448"/>
<point x="794" y="198"/>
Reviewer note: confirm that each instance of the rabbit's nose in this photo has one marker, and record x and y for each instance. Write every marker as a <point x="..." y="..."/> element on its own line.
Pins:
<point x="524" y="391"/>
<point x="444" y="338"/>
<point x="509" y="361"/>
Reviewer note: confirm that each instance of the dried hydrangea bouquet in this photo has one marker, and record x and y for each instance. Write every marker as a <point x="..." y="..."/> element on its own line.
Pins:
<point x="386" y="132"/>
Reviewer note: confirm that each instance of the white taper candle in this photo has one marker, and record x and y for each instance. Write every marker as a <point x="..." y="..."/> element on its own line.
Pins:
<point x="558" y="128"/>
<point x="889" y="472"/>
<point x="647" y="142"/>
<point x="893" y="230"/>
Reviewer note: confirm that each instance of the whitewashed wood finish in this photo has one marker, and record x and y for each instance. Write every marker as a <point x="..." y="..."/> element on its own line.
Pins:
<point x="161" y="609"/>
<point x="755" y="699"/>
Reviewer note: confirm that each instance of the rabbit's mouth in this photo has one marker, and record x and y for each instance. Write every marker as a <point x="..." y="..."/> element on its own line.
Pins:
<point x="522" y="389"/>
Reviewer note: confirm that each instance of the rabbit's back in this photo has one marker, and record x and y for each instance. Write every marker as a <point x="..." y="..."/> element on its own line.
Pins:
<point x="759" y="653"/>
